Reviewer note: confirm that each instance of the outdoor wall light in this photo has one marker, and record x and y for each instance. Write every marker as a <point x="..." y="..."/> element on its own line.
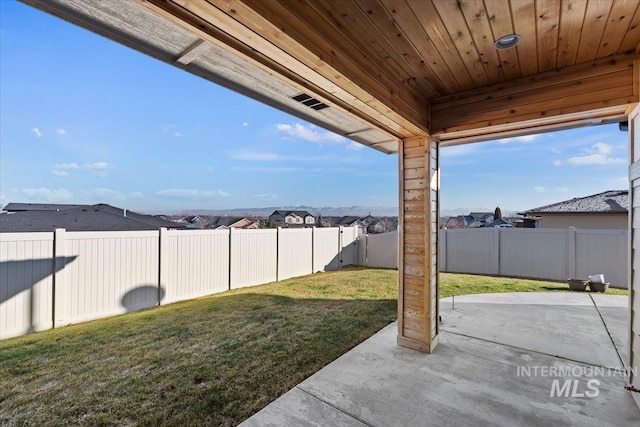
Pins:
<point x="507" y="42"/>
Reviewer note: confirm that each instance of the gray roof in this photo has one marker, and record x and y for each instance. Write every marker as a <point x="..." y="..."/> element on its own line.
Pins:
<point x="285" y="213"/>
<point x="347" y="220"/>
<point x="19" y="207"/>
<point x="608" y="202"/>
<point x="83" y="218"/>
<point x="226" y="221"/>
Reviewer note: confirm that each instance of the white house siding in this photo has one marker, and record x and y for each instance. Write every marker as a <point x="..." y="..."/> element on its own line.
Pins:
<point x="586" y="221"/>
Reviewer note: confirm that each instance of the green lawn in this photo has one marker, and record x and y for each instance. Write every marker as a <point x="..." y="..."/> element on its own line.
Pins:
<point x="211" y="361"/>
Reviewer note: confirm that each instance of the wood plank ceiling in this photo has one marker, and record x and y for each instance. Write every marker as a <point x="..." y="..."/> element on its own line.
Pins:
<point x="406" y="68"/>
<point x="401" y="63"/>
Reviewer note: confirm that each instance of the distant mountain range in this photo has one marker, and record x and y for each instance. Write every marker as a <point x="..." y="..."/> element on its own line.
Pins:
<point x="330" y="211"/>
<point x="325" y="211"/>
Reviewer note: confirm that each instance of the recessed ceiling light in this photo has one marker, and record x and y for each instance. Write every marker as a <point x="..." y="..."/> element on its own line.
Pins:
<point x="508" y="41"/>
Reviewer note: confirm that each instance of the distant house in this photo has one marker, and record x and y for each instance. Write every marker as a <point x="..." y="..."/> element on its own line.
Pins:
<point x="323" y="222"/>
<point x="381" y="225"/>
<point x="499" y="223"/>
<point x="607" y="210"/>
<point x="292" y="219"/>
<point x="482" y="217"/>
<point x="352" y="221"/>
<point x="227" y="222"/>
<point x="464" y="221"/>
<point x="21" y="217"/>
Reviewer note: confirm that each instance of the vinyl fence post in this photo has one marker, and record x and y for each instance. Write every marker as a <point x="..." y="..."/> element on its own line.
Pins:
<point x="162" y="262"/>
<point x="366" y="250"/>
<point x="230" y="257"/>
<point x="571" y="255"/>
<point x="313" y="250"/>
<point x="496" y="249"/>
<point x="442" y="250"/>
<point x="340" y="231"/>
<point x="278" y="253"/>
<point x="59" y="309"/>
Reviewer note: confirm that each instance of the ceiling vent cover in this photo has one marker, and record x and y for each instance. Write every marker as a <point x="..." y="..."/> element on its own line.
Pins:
<point x="309" y="101"/>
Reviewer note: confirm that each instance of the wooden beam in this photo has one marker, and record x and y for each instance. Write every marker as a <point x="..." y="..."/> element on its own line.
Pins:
<point x="192" y="53"/>
<point x="237" y="26"/>
<point x="418" y="233"/>
<point x="600" y="90"/>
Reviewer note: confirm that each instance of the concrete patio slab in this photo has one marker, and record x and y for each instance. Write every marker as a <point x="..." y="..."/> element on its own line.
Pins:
<point x="466" y="381"/>
<point x="519" y="298"/>
<point x="574" y="330"/>
<point x="617" y="321"/>
<point x="302" y="410"/>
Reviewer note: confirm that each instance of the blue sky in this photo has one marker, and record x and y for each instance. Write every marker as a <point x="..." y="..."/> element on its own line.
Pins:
<point x="85" y="120"/>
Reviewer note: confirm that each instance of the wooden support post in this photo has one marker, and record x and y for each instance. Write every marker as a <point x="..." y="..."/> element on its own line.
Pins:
<point x="634" y="250"/>
<point x="418" y="235"/>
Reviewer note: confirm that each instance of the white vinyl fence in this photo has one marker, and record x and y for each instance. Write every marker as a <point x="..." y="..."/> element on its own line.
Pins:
<point x="378" y="250"/>
<point x="53" y="279"/>
<point x="553" y="254"/>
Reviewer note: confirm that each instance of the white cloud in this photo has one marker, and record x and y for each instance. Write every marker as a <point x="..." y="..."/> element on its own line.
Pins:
<point x="539" y="189"/>
<point x="191" y="194"/>
<point x="209" y="168"/>
<point x="46" y="195"/>
<point x="557" y="163"/>
<point x="255" y="155"/>
<point x="37" y="132"/>
<point x="61" y="131"/>
<point x="310" y="133"/>
<point x="264" y="156"/>
<point x="137" y="195"/>
<point x="66" y="166"/>
<point x="522" y="139"/>
<point x="562" y="189"/>
<point x="596" y="159"/>
<point x="171" y="128"/>
<point x="105" y="194"/>
<point x="598" y="154"/>
<point x="245" y="124"/>
<point x="556" y="151"/>
<point x="458" y="150"/>
<point x="354" y="146"/>
<point x="601" y="147"/>
<point x="99" y="166"/>
<point x="265" y="196"/>
<point x="271" y="169"/>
